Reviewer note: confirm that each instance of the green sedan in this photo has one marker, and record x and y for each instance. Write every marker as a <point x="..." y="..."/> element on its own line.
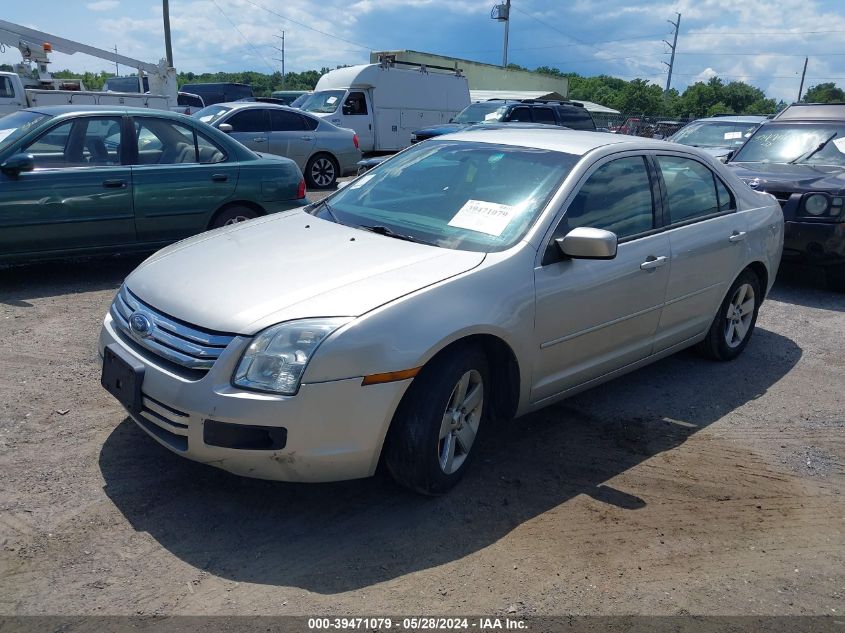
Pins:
<point x="82" y="180"/>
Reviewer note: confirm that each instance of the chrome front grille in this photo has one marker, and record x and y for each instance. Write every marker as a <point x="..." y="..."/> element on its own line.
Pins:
<point x="177" y="342"/>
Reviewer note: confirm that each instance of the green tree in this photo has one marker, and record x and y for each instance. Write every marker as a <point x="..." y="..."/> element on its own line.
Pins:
<point x="824" y="93"/>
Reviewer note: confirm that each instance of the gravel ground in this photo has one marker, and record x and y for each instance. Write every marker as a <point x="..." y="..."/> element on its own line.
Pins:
<point x="689" y="487"/>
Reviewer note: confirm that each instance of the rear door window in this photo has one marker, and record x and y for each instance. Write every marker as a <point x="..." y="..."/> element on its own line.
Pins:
<point x="544" y="115"/>
<point x="690" y="188"/>
<point x="284" y="121"/>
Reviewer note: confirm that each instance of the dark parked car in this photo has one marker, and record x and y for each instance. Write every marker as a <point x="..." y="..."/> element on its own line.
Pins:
<point x="80" y="180"/>
<point x="567" y="114"/>
<point x="212" y="93"/>
<point x="799" y="157"/>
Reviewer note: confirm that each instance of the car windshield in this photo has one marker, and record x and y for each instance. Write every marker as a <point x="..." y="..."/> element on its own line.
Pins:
<point x="481" y="112"/>
<point x="211" y="113"/>
<point x="714" y="134"/>
<point x="795" y="142"/>
<point x="453" y="194"/>
<point x="297" y="103"/>
<point x="14" y="126"/>
<point x="325" y="101"/>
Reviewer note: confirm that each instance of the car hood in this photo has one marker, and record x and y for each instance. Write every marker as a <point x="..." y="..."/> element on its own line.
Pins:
<point x="437" y="130"/>
<point x="792" y="178"/>
<point x="249" y="276"/>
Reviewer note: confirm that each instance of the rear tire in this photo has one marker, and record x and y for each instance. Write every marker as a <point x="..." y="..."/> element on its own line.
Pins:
<point x="435" y="430"/>
<point x="734" y="322"/>
<point x="835" y="276"/>
<point x="321" y="172"/>
<point x="232" y="215"/>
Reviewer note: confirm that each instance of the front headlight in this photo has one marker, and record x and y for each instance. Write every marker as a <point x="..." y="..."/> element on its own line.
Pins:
<point x="277" y="357"/>
<point x="816" y="204"/>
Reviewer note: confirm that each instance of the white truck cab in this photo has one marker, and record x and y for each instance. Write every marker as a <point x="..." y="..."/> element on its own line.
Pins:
<point x="385" y="103"/>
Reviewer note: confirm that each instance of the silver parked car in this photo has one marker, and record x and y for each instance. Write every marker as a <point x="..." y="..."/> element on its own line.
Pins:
<point x="323" y="151"/>
<point x="719" y="136"/>
<point x="480" y="275"/>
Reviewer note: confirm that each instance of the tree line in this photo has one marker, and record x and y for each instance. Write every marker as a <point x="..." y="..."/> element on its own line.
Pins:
<point x="640" y="96"/>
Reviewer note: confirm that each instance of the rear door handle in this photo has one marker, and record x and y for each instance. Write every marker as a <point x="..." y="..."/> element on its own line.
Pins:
<point x="737" y="236"/>
<point x="307" y="138"/>
<point x="260" y="139"/>
<point x="219" y="177"/>
<point x="114" y="184"/>
<point x="653" y="262"/>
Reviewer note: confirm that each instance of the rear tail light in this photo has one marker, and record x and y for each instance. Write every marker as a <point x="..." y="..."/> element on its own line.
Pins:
<point x="300" y="190"/>
<point x="355" y="140"/>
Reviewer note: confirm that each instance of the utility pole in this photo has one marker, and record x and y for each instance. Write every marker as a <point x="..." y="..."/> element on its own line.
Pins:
<point x="116" y="65"/>
<point x="803" y="74"/>
<point x="502" y="13"/>
<point x="165" y="7"/>
<point x="672" y="46"/>
<point x="282" y="58"/>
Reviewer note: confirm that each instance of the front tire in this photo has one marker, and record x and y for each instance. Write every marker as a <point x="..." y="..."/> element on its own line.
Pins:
<point x="321" y="172"/>
<point x="734" y="323"/>
<point x="435" y="430"/>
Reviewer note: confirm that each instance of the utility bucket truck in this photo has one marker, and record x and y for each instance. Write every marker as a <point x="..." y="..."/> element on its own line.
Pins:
<point x="32" y="85"/>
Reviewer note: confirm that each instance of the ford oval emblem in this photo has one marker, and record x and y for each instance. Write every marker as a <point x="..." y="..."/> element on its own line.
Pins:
<point x="140" y="325"/>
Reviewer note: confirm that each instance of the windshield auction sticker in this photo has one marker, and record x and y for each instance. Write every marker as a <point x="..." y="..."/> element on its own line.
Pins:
<point x="484" y="217"/>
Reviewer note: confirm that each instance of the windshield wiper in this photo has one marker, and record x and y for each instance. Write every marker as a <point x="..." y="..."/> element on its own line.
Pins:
<point x="328" y="208"/>
<point x="383" y="230"/>
<point x="814" y="151"/>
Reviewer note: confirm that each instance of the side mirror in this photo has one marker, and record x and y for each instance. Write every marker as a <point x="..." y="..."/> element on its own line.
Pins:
<point x="225" y="127"/>
<point x="727" y="156"/>
<point x="18" y="163"/>
<point x="587" y="243"/>
<point x="347" y="109"/>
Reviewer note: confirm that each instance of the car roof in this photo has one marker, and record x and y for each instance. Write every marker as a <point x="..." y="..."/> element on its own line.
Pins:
<point x="556" y="139"/>
<point x="733" y="118"/>
<point x="58" y="110"/>
<point x="812" y="112"/>
<point x="241" y="105"/>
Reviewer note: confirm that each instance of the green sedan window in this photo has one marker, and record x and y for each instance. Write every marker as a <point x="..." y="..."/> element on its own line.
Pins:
<point x="84" y="142"/>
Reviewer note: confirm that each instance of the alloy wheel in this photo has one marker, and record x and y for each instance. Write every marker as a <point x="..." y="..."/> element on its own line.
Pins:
<point x="739" y="315"/>
<point x="461" y="419"/>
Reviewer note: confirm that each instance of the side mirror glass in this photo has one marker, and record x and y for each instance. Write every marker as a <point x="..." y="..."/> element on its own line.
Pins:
<point x="587" y="243"/>
<point x="225" y="127"/>
<point x="18" y="163"/>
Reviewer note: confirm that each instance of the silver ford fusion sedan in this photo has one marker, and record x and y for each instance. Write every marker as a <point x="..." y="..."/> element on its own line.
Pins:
<point x="475" y="276"/>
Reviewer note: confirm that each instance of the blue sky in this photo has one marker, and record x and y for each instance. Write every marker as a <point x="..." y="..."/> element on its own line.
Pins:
<point x="760" y="41"/>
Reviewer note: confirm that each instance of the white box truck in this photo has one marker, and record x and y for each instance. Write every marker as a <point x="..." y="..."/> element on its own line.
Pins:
<point x="384" y="103"/>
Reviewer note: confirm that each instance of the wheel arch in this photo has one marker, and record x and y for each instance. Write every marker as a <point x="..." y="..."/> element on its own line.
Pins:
<point x="762" y="272"/>
<point x="235" y="203"/>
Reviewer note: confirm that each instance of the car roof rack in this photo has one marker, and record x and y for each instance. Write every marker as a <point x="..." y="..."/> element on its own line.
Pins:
<point x="553" y="101"/>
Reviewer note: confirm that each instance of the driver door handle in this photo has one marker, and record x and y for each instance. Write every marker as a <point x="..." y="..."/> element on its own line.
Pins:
<point x="260" y="139"/>
<point x="653" y="262"/>
<point x="114" y="184"/>
<point x="737" y="236"/>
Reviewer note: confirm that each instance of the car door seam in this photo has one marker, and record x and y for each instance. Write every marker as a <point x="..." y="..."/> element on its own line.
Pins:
<point x="595" y="328"/>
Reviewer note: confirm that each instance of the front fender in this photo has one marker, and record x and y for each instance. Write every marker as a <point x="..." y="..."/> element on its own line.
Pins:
<point x="409" y="331"/>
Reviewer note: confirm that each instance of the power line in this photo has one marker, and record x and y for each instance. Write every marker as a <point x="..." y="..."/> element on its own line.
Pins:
<point x="305" y="26"/>
<point x="235" y="26"/>
<point x="701" y="33"/>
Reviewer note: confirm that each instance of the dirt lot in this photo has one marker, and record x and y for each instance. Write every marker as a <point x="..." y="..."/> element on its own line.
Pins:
<point x="688" y="487"/>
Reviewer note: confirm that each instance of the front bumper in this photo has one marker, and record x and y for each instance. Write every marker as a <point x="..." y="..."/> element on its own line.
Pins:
<point x="335" y="430"/>
<point x="821" y="243"/>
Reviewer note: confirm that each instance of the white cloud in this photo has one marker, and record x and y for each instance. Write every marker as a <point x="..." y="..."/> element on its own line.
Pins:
<point x="103" y="5"/>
